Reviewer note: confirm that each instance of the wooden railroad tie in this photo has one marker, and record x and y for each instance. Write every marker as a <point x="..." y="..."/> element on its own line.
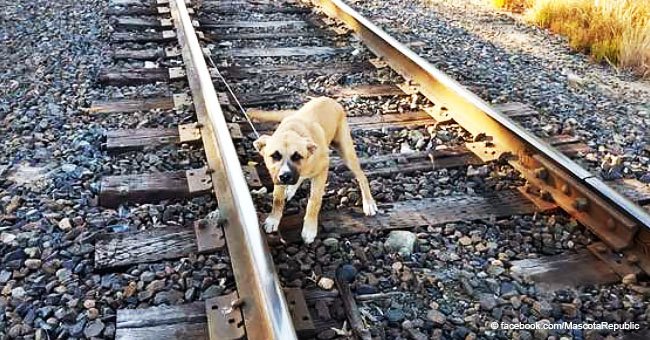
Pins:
<point x="153" y="187"/>
<point x="197" y="320"/>
<point x="244" y="72"/>
<point x="212" y="24"/>
<point x="263" y="36"/>
<point x="176" y="101"/>
<point x="218" y="8"/>
<point x="123" y="249"/>
<point x="143" y="37"/>
<point x="132" y="22"/>
<point x="133" y="76"/>
<point x="281" y="51"/>
<point x="136" y="139"/>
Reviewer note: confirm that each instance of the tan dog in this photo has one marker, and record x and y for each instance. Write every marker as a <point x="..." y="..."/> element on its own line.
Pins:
<point x="299" y="150"/>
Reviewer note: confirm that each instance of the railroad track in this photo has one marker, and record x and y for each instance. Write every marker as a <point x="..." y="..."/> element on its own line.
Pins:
<point x="274" y="56"/>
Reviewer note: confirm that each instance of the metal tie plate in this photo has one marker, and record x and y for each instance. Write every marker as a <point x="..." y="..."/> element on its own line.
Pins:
<point x="188" y="133"/>
<point x="302" y="320"/>
<point x="171" y="52"/>
<point x="209" y="235"/>
<point x="168" y="34"/>
<point x="225" y="321"/>
<point x="198" y="180"/>
<point x="176" y="73"/>
<point x="181" y="101"/>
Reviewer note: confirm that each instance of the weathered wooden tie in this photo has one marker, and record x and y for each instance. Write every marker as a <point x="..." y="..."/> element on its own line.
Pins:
<point x="136" y="10"/>
<point x="212" y="24"/>
<point x="135" y="139"/>
<point x="203" y="320"/>
<point x="153" y="187"/>
<point x="131" y="22"/>
<point x="176" y="101"/>
<point x="143" y="37"/>
<point x="123" y="249"/>
<point x="281" y="51"/>
<point x="137" y="76"/>
<point x="146" y="54"/>
<point x="415" y="213"/>
<point x="114" y="250"/>
<point x="233" y="9"/>
<point x="239" y="72"/>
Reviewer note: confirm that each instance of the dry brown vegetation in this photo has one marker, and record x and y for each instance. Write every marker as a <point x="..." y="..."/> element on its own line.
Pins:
<point x="615" y="31"/>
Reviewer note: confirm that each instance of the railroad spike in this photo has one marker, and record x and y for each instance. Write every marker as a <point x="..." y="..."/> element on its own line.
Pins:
<point x="237" y="303"/>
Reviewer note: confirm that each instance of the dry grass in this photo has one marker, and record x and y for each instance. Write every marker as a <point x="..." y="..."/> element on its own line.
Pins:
<point x="615" y="31"/>
<point x="512" y="5"/>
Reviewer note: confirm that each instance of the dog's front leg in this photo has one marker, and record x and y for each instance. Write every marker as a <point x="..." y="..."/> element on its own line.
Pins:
<point x="291" y="189"/>
<point x="310" y="225"/>
<point x="273" y="220"/>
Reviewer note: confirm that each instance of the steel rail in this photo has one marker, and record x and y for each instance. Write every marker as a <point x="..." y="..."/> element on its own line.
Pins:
<point x="265" y="310"/>
<point x="611" y="216"/>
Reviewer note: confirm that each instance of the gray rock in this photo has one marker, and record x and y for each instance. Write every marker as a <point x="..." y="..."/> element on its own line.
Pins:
<point x="508" y="290"/>
<point x="487" y="301"/>
<point x="156" y="286"/>
<point x="18" y="293"/>
<point x="94" y="328"/>
<point x="543" y="308"/>
<point x="65" y="224"/>
<point x="211" y="292"/>
<point x="63" y="274"/>
<point x="147" y="276"/>
<point x="32" y="263"/>
<point x="5" y="275"/>
<point x="394" y="315"/>
<point x="330" y="242"/>
<point x="437" y="317"/>
<point x="401" y="241"/>
<point x="171" y="297"/>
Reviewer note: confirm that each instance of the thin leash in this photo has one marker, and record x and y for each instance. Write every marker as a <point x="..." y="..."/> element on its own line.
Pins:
<point x="241" y="108"/>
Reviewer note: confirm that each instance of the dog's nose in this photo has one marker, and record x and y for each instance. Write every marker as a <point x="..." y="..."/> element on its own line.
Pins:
<point x="285" y="177"/>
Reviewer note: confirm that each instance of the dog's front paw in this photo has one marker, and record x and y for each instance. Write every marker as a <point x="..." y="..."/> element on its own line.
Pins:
<point x="271" y="224"/>
<point x="370" y="207"/>
<point x="309" y="232"/>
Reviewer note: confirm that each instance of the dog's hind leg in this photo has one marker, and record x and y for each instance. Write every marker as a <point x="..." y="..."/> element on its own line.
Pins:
<point x="345" y="146"/>
<point x="273" y="220"/>
<point x="310" y="225"/>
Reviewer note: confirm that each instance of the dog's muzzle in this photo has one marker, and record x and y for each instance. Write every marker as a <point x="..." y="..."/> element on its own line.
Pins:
<point x="288" y="174"/>
<point x="288" y="178"/>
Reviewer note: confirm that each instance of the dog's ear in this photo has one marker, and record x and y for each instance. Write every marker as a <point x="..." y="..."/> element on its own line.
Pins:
<point x="311" y="147"/>
<point x="260" y="143"/>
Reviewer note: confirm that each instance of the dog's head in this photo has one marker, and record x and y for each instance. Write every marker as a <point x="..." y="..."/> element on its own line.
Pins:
<point x="285" y="155"/>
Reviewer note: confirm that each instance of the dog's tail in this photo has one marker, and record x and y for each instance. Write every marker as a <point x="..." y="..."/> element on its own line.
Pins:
<point x="269" y="116"/>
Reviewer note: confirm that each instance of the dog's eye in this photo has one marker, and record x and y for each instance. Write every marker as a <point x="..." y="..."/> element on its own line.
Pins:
<point x="276" y="156"/>
<point x="296" y="157"/>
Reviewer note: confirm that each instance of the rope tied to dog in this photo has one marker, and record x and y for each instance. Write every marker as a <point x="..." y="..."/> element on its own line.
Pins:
<point x="241" y="108"/>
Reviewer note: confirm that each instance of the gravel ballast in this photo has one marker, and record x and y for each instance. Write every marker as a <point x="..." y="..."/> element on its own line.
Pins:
<point x="51" y="165"/>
